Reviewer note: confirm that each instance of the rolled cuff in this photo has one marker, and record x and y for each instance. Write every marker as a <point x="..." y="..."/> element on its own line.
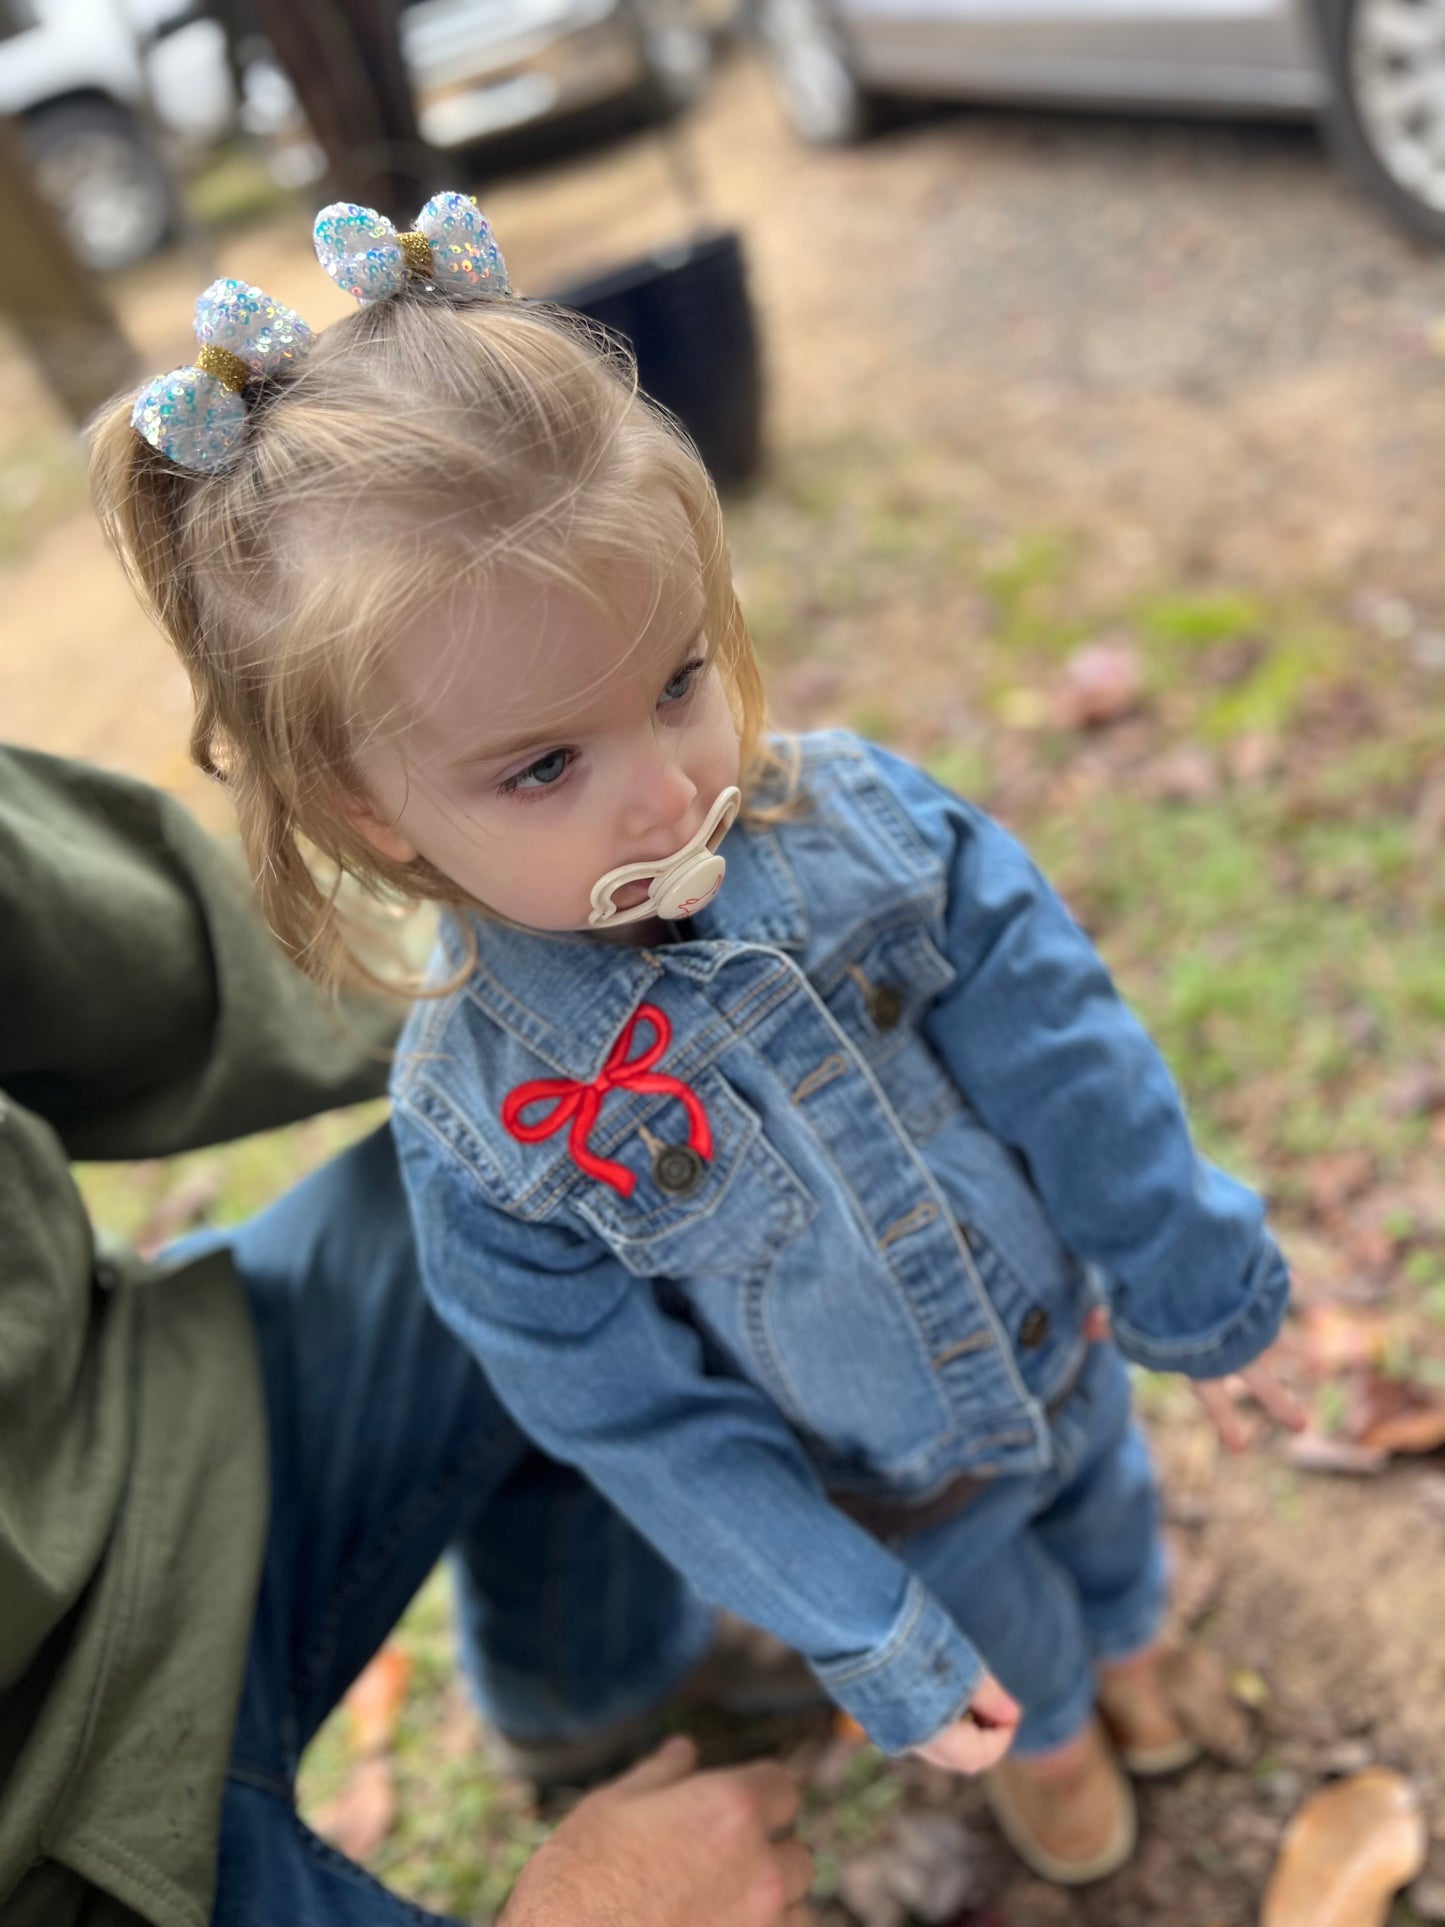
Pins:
<point x="1232" y="1343"/>
<point x="916" y="1683"/>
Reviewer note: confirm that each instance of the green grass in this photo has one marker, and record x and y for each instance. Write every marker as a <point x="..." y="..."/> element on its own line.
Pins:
<point x="1254" y="985"/>
<point x="1029" y="588"/>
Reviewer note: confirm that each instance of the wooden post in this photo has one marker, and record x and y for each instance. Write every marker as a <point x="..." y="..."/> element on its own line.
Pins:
<point x="56" y="305"/>
<point x="344" y="59"/>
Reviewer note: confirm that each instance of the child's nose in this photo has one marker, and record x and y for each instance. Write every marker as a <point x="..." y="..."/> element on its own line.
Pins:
<point x="658" y="803"/>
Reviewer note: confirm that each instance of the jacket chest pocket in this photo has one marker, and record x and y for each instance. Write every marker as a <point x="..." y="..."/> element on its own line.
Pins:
<point x="730" y="1213"/>
<point x="879" y="996"/>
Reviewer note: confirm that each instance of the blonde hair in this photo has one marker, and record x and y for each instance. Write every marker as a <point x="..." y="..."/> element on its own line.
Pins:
<point x="425" y="438"/>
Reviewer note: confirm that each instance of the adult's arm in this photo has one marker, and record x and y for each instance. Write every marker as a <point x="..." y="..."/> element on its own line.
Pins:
<point x="144" y="1007"/>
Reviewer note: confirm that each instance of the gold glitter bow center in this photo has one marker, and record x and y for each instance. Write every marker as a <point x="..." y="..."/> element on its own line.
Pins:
<point x="228" y="369"/>
<point x="417" y="250"/>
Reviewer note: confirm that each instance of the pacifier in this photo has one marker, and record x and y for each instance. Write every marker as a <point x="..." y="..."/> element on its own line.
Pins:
<point x="678" y="884"/>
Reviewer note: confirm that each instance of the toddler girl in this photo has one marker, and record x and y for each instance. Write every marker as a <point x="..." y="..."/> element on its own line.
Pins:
<point x="772" y="1135"/>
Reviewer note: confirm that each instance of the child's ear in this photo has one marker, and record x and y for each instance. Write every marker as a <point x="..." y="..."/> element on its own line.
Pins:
<point x="384" y="838"/>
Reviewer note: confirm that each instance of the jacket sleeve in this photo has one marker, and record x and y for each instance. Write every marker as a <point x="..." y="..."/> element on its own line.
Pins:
<point x="601" y="1377"/>
<point x="145" y="1008"/>
<point x="1056" y="1065"/>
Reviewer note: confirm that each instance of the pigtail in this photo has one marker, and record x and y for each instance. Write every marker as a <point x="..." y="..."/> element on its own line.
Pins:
<point x="140" y="500"/>
<point x="145" y="505"/>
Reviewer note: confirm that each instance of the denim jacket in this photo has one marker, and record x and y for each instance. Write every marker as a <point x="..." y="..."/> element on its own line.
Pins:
<point x="933" y="1136"/>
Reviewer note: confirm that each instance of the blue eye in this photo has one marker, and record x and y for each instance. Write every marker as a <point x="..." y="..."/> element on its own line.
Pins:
<point x="681" y="686"/>
<point x="544" y="774"/>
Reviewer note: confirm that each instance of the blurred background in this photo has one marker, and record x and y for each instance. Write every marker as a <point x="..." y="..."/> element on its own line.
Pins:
<point x="1076" y="370"/>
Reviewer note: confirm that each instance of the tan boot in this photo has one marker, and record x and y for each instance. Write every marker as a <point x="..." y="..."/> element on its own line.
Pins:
<point x="1068" y="1815"/>
<point x="1135" y="1705"/>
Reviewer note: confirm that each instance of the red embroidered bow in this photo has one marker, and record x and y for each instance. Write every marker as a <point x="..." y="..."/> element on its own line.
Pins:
<point x="583" y="1102"/>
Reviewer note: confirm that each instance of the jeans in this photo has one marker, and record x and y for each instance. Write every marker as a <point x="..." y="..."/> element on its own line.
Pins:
<point x="386" y="1447"/>
<point x="1049" y="1574"/>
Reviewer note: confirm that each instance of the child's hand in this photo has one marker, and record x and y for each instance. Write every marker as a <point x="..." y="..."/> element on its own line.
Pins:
<point x="1263" y="1383"/>
<point x="1261" y="1380"/>
<point x="981" y="1738"/>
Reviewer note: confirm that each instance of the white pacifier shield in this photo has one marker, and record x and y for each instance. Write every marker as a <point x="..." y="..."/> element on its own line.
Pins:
<point x="688" y="887"/>
<point x="676" y="885"/>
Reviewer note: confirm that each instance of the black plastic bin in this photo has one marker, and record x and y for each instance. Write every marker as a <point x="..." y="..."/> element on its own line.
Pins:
<point x="685" y="313"/>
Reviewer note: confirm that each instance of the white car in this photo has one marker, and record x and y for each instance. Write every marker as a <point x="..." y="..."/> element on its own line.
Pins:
<point x="1373" y="71"/>
<point x="93" y="85"/>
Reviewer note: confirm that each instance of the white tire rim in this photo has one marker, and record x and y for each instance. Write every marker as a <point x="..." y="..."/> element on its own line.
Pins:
<point x="1396" y="63"/>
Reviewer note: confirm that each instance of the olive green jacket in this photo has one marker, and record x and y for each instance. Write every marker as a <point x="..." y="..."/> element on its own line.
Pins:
<point x="144" y="1010"/>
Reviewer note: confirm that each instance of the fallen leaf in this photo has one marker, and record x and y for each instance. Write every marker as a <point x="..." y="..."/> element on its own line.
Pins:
<point x="376" y="1698"/>
<point x="1316" y="1452"/>
<point x="1347" y="1851"/>
<point x="362" y="1814"/>
<point x="1101" y="682"/>
<point x="1334" y="1338"/>
<point x="1405" y="1419"/>
<point x="1248" y="1686"/>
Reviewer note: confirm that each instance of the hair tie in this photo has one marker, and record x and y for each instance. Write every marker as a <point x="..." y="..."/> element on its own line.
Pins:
<point x="451" y="244"/>
<point x="196" y="416"/>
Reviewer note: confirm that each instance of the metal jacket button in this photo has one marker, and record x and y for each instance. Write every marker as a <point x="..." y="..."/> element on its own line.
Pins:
<point x="676" y="1169"/>
<point x="1034" y="1328"/>
<point x="885" y="1006"/>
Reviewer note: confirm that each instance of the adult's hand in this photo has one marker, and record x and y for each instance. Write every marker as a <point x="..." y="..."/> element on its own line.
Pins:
<point x="667" y="1846"/>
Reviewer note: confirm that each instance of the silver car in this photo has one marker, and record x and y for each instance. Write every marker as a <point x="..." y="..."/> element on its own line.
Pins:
<point x="1372" y="70"/>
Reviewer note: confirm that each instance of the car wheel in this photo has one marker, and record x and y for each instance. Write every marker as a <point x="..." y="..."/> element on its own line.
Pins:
<point x="1387" y="113"/>
<point x="98" y="170"/>
<point x="813" y="68"/>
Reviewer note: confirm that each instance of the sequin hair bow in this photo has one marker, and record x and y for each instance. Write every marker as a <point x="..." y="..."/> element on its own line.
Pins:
<point x="196" y="416"/>
<point x="451" y="245"/>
